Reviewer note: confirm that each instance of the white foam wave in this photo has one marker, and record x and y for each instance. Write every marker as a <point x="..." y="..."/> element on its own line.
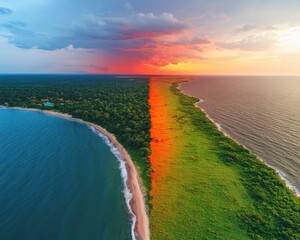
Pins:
<point x="280" y="174"/>
<point x="218" y="125"/>
<point x="197" y="104"/>
<point x="289" y="184"/>
<point x="124" y="175"/>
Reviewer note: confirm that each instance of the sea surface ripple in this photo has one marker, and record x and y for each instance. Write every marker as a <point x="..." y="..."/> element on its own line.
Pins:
<point x="261" y="113"/>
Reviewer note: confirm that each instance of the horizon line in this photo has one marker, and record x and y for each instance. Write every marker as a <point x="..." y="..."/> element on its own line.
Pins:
<point x="151" y="75"/>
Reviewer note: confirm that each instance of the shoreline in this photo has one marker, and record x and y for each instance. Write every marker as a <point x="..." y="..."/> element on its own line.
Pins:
<point x="132" y="186"/>
<point x="219" y="127"/>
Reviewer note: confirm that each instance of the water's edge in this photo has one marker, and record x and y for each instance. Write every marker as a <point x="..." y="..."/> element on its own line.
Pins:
<point x="124" y="174"/>
<point x="218" y="125"/>
<point x="128" y="195"/>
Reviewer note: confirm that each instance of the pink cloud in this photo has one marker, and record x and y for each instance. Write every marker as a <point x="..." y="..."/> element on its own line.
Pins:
<point x="141" y="40"/>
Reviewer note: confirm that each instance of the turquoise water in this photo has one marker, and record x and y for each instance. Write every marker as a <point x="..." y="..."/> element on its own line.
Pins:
<point x="58" y="180"/>
<point x="262" y="113"/>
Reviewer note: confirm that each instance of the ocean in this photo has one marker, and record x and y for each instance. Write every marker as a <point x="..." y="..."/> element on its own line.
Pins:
<point x="58" y="180"/>
<point x="261" y="113"/>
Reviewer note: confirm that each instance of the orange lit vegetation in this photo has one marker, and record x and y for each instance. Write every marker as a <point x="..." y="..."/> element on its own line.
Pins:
<point x="163" y="144"/>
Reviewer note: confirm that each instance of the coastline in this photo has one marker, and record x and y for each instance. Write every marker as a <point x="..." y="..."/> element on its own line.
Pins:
<point x="132" y="185"/>
<point x="188" y="202"/>
<point x="218" y="125"/>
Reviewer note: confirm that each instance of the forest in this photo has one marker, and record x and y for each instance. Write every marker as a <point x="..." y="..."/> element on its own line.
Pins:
<point x="119" y="104"/>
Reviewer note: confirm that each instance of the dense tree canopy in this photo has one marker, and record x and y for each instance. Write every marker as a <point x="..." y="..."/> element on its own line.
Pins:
<point x="118" y="104"/>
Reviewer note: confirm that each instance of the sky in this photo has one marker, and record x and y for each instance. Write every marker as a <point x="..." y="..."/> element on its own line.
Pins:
<point x="232" y="37"/>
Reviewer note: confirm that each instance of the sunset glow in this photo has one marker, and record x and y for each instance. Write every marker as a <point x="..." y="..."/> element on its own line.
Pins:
<point x="162" y="146"/>
<point x="174" y="37"/>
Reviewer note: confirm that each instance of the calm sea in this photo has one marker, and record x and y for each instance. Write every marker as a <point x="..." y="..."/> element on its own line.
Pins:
<point x="58" y="180"/>
<point x="262" y="113"/>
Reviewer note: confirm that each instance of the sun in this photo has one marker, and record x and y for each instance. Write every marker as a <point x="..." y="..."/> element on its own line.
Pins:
<point x="290" y="39"/>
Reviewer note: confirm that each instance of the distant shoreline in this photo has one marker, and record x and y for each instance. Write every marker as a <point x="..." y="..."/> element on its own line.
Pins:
<point x="289" y="185"/>
<point x="136" y="203"/>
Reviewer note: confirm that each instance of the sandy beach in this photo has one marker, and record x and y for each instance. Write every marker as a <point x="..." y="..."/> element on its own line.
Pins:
<point x="137" y="202"/>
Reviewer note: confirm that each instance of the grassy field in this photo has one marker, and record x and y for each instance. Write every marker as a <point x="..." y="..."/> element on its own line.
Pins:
<point x="210" y="187"/>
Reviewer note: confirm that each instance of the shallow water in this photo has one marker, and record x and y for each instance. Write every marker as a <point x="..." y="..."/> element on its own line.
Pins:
<point x="262" y="113"/>
<point x="58" y="180"/>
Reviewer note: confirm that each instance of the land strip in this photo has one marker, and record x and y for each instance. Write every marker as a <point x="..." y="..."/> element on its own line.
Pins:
<point x="208" y="186"/>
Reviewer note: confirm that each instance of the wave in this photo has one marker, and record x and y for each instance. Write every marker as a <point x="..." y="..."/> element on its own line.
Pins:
<point x="124" y="175"/>
<point x="286" y="181"/>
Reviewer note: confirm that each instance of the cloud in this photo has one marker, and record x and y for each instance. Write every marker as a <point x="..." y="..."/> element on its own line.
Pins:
<point x="195" y="41"/>
<point x="250" y="27"/>
<point x="94" y="32"/>
<point x="269" y="28"/>
<point x="252" y="43"/>
<point x="138" y="54"/>
<point x="162" y="24"/>
<point x="139" y="37"/>
<point x="138" y="26"/>
<point x="17" y="60"/>
<point x="14" y="24"/>
<point x="159" y="53"/>
<point x="152" y="33"/>
<point x="5" y="11"/>
<point x="246" y="28"/>
<point x="22" y="37"/>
